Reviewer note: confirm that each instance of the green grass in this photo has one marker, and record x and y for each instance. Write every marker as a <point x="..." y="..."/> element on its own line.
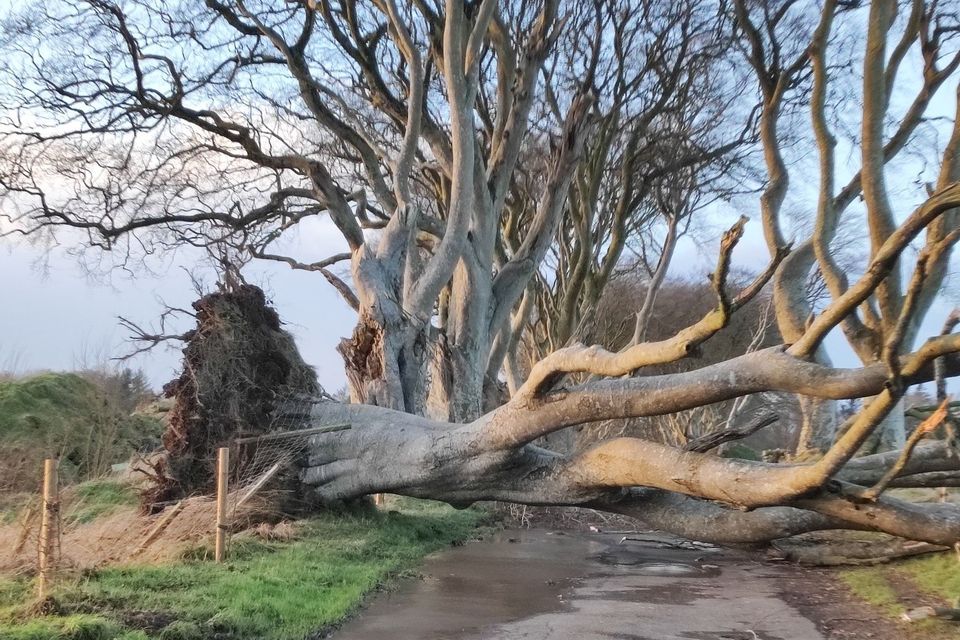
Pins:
<point x="870" y="584"/>
<point x="73" y="627"/>
<point x="269" y="590"/>
<point x="66" y="415"/>
<point x="40" y="403"/>
<point x="13" y="594"/>
<point x="98" y="498"/>
<point x="82" y="503"/>
<point x="938" y="574"/>
<point x="12" y="505"/>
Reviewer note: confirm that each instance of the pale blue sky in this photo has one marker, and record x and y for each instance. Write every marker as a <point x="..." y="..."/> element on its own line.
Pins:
<point x="60" y="317"/>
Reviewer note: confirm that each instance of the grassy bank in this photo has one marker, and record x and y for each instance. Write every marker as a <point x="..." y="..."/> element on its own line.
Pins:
<point x="268" y="589"/>
<point x="69" y="416"/>
<point x="80" y="504"/>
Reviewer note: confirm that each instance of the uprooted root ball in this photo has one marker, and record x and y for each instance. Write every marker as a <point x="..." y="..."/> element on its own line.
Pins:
<point x="238" y="365"/>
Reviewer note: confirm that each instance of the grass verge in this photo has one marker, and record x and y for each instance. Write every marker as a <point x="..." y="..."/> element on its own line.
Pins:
<point x="898" y="587"/>
<point x="871" y="585"/>
<point x="937" y="574"/>
<point x="269" y="590"/>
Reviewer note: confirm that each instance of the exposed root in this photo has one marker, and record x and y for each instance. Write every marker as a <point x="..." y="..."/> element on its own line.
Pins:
<point x="238" y="365"/>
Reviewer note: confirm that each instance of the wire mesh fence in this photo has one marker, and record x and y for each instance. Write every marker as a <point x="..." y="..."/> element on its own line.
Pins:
<point x="70" y="530"/>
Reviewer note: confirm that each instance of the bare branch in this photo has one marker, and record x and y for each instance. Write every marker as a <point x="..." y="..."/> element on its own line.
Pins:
<point x="599" y="361"/>
<point x="933" y="421"/>
<point x="712" y="440"/>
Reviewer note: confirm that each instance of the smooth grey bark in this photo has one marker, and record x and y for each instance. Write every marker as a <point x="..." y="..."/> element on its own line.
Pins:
<point x="433" y="281"/>
<point x="491" y="458"/>
<point x="818" y="426"/>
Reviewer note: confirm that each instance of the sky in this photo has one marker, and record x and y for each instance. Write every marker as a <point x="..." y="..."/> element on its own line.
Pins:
<point x="59" y="317"/>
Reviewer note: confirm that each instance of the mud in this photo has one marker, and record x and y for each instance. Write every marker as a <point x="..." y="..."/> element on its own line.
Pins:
<point x="542" y="585"/>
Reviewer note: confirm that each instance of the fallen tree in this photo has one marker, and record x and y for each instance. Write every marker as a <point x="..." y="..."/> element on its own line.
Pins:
<point x="693" y="494"/>
<point x="487" y="164"/>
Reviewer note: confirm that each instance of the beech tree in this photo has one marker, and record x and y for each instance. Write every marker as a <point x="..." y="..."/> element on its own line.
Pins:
<point x="444" y="142"/>
<point x="917" y="32"/>
<point x="231" y="122"/>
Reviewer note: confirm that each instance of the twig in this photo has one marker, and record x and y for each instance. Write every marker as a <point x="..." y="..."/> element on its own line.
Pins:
<point x="159" y="528"/>
<point x="281" y="435"/>
<point x="262" y="480"/>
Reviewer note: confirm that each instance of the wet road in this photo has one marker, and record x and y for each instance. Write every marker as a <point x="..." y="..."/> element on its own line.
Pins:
<point x="539" y="585"/>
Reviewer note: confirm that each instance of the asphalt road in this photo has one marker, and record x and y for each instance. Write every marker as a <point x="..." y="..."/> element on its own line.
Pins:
<point x="542" y="585"/>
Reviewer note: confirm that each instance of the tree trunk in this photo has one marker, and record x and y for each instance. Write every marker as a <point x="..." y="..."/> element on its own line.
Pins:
<point x="396" y="362"/>
<point x="456" y="390"/>
<point x="412" y="456"/>
<point x="891" y="434"/>
<point x="386" y="363"/>
<point x="818" y="426"/>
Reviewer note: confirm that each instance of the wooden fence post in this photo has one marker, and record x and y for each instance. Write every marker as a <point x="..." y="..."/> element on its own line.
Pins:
<point x="223" y="472"/>
<point x="49" y="528"/>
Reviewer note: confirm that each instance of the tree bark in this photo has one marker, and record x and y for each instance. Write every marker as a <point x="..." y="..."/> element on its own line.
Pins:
<point x="693" y="494"/>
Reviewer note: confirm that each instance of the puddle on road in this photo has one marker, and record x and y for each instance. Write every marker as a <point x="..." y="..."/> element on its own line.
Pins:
<point x="732" y="635"/>
<point x="643" y="565"/>
<point x="680" y="570"/>
<point x="533" y="585"/>
<point x="511" y="575"/>
<point x="515" y="575"/>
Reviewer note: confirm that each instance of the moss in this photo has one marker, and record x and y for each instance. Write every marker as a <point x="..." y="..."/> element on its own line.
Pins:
<point x="741" y="451"/>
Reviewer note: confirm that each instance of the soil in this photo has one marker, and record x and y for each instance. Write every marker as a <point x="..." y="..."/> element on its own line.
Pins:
<point x="239" y="365"/>
<point x="819" y="595"/>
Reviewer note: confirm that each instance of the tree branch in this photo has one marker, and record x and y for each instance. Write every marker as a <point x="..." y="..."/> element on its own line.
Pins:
<point x="599" y="361"/>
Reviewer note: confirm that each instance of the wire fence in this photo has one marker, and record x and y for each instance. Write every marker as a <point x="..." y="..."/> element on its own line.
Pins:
<point x="250" y="467"/>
